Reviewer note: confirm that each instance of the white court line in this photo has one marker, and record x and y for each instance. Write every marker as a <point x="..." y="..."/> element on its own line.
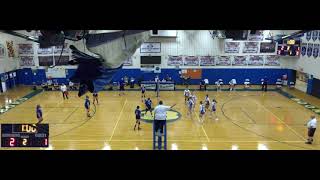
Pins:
<point x="202" y="127"/>
<point x="121" y="112"/>
<point x="146" y="140"/>
<point x="295" y="132"/>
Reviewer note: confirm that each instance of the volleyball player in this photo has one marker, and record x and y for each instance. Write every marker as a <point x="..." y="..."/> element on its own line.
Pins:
<point x="143" y="93"/>
<point x="148" y="104"/>
<point x="39" y="114"/>
<point x="194" y="99"/>
<point x="87" y="105"/>
<point x="190" y="106"/>
<point x="95" y="98"/>
<point x="214" y="108"/>
<point x="121" y="86"/>
<point x="64" y="91"/>
<point x="186" y="95"/>
<point x="202" y="111"/>
<point x="137" y="112"/>
<point x="207" y="102"/>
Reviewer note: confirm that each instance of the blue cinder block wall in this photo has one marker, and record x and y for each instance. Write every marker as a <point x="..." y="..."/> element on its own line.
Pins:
<point x="27" y="77"/>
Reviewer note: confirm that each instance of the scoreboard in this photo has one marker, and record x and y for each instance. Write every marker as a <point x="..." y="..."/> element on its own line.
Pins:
<point x="24" y="135"/>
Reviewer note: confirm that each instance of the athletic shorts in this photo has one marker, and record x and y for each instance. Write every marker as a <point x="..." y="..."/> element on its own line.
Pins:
<point x="214" y="109"/>
<point x="202" y="112"/>
<point x="311" y="132"/>
<point x="121" y="88"/>
<point x="138" y="117"/>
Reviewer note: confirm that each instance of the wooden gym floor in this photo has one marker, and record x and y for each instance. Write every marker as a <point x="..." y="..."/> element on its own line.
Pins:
<point x="248" y="120"/>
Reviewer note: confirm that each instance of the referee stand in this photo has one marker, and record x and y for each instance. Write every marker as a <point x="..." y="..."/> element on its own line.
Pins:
<point x="158" y="144"/>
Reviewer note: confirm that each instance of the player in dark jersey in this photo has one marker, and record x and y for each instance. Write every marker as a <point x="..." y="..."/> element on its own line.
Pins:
<point x="87" y="105"/>
<point x="137" y="112"/>
<point x="39" y="114"/>
<point x="148" y="104"/>
<point x="95" y="98"/>
<point x="121" y="86"/>
<point x="143" y="93"/>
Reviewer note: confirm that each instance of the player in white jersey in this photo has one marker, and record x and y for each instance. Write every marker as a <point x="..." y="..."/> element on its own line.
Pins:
<point x="202" y="112"/>
<point x="194" y="99"/>
<point x="190" y="106"/>
<point x="214" y="108"/>
<point x="207" y="102"/>
<point x="186" y="94"/>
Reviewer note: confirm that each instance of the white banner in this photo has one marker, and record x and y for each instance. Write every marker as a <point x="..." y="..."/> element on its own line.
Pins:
<point x="207" y="61"/>
<point x="56" y="72"/>
<point x="223" y="61"/>
<point x="255" y="60"/>
<point x="191" y="61"/>
<point x="239" y="61"/>
<point x="25" y="49"/>
<point x="232" y="47"/>
<point x="45" y="50"/>
<point x="250" y="47"/>
<point x="175" y="61"/>
<point x="272" y="60"/>
<point x="26" y="61"/>
<point x="58" y="49"/>
<point x="150" y="47"/>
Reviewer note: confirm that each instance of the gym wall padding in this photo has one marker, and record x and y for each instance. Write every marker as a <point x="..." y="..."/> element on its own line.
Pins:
<point x="26" y="76"/>
<point x="315" y="87"/>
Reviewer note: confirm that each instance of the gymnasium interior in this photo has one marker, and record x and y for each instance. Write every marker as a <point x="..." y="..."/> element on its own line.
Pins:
<point x="34" y="64"/>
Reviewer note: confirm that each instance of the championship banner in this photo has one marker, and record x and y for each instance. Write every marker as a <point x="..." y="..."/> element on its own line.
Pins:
<point x="250" y="47"/>
<point x="232" y="47"/>
<point x="304" y="49"/>
<point x="128" y="62"/>
<point x="61" y="61"/>
<point x="2" y="50"/>
<point x="315" y="35"/>
<point x="223" y="61"/>
<point x="315" y="52"/>
<point x="58" y="49"/>
<point x="308" y="35"/>
<point x="45" y="60"/>
<point x="255" y="60"/>
<point x="272" y="60"/>
<point x="45" y="50"/>
<point x="206" y="60"/>
<point x="26" y="61"/>
<point x="25" y="49"/>
<point x="175" y="61"/>
<point x="150" y="47"/>
<point x="309" y="49"/>
<point x="191" y="61"/>
<point x="239" y="61"/>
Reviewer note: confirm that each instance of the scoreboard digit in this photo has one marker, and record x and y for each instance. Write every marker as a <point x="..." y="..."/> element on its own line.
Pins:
<point x="24" y="135"/>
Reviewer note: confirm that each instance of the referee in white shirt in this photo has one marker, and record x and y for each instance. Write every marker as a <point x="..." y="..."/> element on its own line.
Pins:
<point x="160" y="116"/>
<point x="312" y="125"/>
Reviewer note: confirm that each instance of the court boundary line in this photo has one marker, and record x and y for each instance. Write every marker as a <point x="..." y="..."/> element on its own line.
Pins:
<point x="295" y="132"/>
<point x="204" y="131"/>
<point x="120" y="115"/>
